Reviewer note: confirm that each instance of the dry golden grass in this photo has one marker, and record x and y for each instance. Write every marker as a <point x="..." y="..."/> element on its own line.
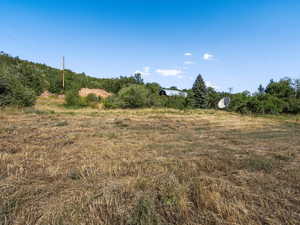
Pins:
<point x="151" y="166"/>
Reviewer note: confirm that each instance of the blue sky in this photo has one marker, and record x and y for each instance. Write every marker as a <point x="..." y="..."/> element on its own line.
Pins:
<point x="232" y="43"/>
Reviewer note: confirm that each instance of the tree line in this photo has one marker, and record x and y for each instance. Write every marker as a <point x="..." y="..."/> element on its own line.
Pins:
<point x="22" y="81"/>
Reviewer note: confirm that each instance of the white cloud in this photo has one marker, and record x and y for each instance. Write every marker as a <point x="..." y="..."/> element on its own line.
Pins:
<point x="188" y="54"/>
<point x="170" y="72"/>
<point x="210" y="84"/>
<point x="189" y="62"/>
<point x="145" y="72"/>
<point x="146" y="69"/>
<point x="208" y="56"/>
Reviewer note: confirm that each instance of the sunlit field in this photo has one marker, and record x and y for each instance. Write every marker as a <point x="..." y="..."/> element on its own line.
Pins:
<point x="147" y="166"/>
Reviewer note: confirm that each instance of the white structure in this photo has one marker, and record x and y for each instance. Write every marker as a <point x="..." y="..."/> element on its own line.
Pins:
<point x="224" y="103"/>
<point x="175" y="93"/>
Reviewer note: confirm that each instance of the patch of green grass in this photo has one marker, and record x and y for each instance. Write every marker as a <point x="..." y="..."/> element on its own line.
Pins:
<point x="111" y="135"/>
<point x="259" y="163"/>
<point x="74" y="174"/>
<point x="62" y="124"/>
<point x="38" y="112"/>
<point x="8" y="130"/>
<point x="144" y="213"/>
<point x="121" y="124"/>
<point x="282" y="157"/>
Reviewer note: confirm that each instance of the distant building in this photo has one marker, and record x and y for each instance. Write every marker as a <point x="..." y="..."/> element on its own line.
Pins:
<point x="172" y="93"/>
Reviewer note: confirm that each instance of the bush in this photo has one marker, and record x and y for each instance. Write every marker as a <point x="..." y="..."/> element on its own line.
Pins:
<point x="72" y="98"/>
<point x="134" y="96"/>
<point x="113" y="102"/>
<point x="262" y="104"/>
<point x="158" y="101"/>
<point x="273" y="105"/>
<point x="137" y="96"/>
<point x="293" y="106"/>
<point x="92" y="98"/>
<point x="176" y="102"/>
<point x="240" y="103"/>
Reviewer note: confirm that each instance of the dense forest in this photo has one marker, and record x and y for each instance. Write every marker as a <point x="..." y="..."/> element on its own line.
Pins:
<point x="22" y="81"/>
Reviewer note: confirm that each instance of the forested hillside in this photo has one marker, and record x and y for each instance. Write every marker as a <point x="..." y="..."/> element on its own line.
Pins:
<point x="21" y="81"/>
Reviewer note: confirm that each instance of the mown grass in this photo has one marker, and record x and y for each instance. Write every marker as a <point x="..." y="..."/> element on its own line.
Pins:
<point x="144" y="167"/>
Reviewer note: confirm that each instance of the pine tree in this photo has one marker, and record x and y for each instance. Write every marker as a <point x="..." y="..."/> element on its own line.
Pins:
<point x="200" y="95"/>
<point x="261" y="89"/>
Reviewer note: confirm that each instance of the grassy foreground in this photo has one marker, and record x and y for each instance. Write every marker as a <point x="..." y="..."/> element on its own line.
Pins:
<point x="145" y="167"/>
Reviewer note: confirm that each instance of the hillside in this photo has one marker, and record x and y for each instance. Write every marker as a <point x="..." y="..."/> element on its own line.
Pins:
<point x="150" y="166"/>
<point x="21" y="79"/>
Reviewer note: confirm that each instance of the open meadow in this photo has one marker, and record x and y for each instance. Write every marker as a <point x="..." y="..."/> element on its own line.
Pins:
<point x="148" y="166"/>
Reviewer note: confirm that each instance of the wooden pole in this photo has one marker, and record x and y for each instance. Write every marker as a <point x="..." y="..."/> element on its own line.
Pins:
<point x="63" y="72"/>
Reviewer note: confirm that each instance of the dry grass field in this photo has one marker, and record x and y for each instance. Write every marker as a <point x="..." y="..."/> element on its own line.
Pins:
<point x="147" y="167"/>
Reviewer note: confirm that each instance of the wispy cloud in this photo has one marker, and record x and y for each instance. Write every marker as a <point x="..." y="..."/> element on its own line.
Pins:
<point x="145" y="72"/>
<point x="188" y="54"/>
<point x="210" y="84"/>
<point x="208" y="56"/>
<point x="189" y="62"/>
<point x="170" y="72"/>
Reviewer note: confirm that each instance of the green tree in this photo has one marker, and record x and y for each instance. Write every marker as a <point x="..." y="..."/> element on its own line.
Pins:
<point x="297" y="88"/>
<point x="281" y="89"/>
<point x="200" y="93"/>
<point x="154" y="88"/>
<point x="138" y="78"/>
<point x="13" y="92"/>
<point x="174" y="88"/>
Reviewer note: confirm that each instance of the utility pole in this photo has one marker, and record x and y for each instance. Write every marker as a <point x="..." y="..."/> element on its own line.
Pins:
<point x="63" y="72"/>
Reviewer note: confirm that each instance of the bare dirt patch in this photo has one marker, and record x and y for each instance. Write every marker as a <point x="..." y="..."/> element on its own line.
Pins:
<point x="98" y="92"/>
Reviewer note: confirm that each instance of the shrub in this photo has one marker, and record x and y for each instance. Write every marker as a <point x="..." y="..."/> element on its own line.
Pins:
<point x="156" y="100"/>
<point x="134" y="96"/>
<point x="256" y="106"/>
<point x="293" y="106"/>
<point x="262" y="104"/>
<point x="154" y="88"/>
<point x="176" y="102"/>
<point x="239" y="103"/>
<point x="73" y="99"/>
<point x="113" y="102"/>
<point x="272" y="104"/>
<point x="92" y="98"/>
